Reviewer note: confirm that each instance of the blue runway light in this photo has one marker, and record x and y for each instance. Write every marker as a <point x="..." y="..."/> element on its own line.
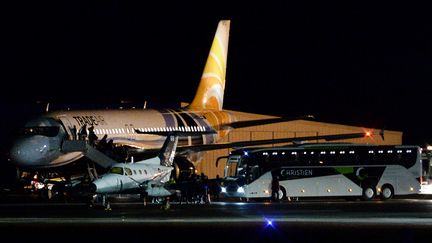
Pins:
<point x="269" y="223"/>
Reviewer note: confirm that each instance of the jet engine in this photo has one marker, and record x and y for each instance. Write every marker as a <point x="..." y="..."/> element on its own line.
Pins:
<point x="183" y="169"/>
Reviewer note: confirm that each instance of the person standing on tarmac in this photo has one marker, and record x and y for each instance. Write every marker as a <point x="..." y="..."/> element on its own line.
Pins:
<point x="275" y="188"/>
<point x="216" y="188"/>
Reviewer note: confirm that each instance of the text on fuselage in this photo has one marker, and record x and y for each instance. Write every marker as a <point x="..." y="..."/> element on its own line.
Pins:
<point x="90" y="120"/>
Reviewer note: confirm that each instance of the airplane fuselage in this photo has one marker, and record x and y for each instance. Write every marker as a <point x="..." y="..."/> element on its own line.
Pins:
<point x="40" y="145"/>
<point x="121" y="125"/>
<point x="135" y="178"/>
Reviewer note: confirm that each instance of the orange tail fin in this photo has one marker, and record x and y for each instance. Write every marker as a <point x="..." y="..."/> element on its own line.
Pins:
<point x="211" y="88"/>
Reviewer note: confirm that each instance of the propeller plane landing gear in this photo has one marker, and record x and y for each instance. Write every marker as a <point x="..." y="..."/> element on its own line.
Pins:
<point x="105" y="203"/>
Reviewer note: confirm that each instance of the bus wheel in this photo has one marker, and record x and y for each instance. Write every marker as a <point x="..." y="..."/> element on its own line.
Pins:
<point x="387" y="192"/>
<point x="368" y="193"/>
<point x="282" y="193"/>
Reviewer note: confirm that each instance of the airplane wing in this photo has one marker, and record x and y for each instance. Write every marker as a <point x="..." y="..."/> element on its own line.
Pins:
<point x="250" y="123"/>
<point x="208" y="147"/>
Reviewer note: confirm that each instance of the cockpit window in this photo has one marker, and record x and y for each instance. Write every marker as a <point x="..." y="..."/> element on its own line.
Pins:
<point x="117" y="170"/>
<point x="128" y="171"/>
<point x="43" y="131"/>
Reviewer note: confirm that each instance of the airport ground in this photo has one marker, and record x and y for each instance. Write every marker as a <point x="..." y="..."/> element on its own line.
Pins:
<point x="398" y="220"/>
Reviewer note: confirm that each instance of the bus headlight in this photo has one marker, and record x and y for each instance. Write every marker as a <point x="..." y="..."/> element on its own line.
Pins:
<point x="223" y="189"/>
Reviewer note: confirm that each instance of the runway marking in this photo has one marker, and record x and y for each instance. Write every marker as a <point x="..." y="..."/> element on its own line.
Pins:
<point x="338" y="221"/>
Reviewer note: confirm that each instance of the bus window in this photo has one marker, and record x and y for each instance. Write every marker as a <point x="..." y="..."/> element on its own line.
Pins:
<point x="308" y="158"/>
<point x="275" y="159"/>
<point x="408" y="157"/>
<point x="325" y="158"/>
<point x="253" y="173"/>
<point x="345" y="157"/>
<point x="385" y="156"/>
<point x="338" y="157"/>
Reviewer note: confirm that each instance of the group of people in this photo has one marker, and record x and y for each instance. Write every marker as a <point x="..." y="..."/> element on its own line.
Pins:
<point x="84" y="134"/>
<point x="198" y="189"/>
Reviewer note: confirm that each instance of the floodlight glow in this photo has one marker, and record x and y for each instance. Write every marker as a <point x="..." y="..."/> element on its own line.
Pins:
<point x="269" y="223"/>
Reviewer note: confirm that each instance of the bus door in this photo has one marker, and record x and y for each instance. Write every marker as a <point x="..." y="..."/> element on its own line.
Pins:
<point x="426" y="167"/>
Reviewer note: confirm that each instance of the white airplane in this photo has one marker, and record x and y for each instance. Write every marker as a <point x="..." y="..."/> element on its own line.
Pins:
<point x="149" y="175"/>
<point x="49" y="141"/>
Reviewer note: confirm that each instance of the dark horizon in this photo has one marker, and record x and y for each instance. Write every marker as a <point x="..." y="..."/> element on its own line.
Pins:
<point x="362" y="65"/>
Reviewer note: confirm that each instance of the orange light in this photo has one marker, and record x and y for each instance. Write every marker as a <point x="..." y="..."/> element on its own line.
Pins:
<point x="368" y="134"/>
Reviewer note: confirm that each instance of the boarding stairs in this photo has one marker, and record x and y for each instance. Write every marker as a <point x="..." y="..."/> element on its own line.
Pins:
<point x="88" y="151"/>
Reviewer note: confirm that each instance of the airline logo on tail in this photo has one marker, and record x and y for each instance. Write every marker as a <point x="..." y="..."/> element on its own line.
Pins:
<point x="211" y="88"/>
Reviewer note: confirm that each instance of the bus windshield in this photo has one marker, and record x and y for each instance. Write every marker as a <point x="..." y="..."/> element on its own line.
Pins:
<point x="231" y="166"/>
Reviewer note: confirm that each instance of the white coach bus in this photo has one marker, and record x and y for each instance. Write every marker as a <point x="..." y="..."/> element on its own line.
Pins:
<point x="324" y="170"/>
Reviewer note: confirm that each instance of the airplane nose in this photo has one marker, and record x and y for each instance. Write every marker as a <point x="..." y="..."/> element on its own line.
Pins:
<point x="92" y="188"/>
<point x="30" y="151"/>
<point x="100" y="185"/>
<point x="107" y="184"/>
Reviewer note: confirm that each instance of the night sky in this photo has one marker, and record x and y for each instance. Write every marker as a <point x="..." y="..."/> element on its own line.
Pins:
<point x="364" y="65"/>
